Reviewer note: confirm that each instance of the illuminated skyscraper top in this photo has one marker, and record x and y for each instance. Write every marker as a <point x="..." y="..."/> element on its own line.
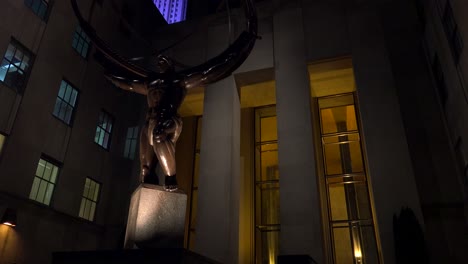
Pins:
<point x="172" y="10"/>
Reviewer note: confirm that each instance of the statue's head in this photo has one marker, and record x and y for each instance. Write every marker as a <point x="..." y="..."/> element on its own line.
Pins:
<point x="164" y="64"/>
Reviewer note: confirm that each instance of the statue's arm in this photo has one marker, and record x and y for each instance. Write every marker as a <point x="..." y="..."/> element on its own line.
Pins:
<point x="137" y="87"/>
<point x="227" y="62"/>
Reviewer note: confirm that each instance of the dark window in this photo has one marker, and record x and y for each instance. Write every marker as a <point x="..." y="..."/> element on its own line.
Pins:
<point x="66" y="102"/>
<point x="39" y="7"/>
<point x="131" y="142"/>
<point x="81" y="42"/>
<point x="104" y="130"/>
<point x="440" y="80"/>
<point x="451" y="31"/>
<point x="15" y="66"/>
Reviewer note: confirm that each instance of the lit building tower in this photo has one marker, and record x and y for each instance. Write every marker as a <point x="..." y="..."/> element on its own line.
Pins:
<point x="172" y="10"/>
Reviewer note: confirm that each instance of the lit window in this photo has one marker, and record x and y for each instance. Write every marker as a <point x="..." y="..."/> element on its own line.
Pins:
<point x="131" y="142"/>
<point x="267" y="180"/>
<point x="65" y="103"/>
<point x="2" y="142"/>
<point x="15" y="66"/>
<point x="39" y="7"/>
<point x="104" y="130"/>
<point x="44" y="182"/>
<point x="81" y="42"/>
<point x="89" y="200"/>
<point x="350" y="214"/>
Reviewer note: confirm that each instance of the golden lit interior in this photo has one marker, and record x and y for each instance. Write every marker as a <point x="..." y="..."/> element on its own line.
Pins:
<point x="2" y="142"/>
<point x="257" y="88"/>
<point x="344" y="184"/>
<point x="267" y="204"/>
<point x="193" y="102"/>
<point x="331" y="77"/>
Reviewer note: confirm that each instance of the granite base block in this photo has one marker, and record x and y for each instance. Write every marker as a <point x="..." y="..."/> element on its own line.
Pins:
<point x="156" y="218"/>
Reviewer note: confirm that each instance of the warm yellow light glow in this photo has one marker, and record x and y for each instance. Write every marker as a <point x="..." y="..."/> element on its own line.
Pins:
<point x="9" y="224"/>
<point x="331" y="77"/>
<point x="357" y="253"/>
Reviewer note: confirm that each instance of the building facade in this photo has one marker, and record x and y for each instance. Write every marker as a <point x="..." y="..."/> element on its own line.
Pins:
<point x="67" y="136"/>
<point x="341" y="137"/>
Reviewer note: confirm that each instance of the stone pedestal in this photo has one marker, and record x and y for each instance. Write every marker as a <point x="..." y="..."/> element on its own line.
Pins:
<point x="156" y="218"/>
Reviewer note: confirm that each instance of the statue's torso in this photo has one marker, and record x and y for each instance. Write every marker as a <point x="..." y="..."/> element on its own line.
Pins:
<point x="165" y="96"/>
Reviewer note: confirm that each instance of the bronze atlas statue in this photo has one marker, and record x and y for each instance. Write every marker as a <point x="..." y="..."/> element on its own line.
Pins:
<point x="165" y="89"/>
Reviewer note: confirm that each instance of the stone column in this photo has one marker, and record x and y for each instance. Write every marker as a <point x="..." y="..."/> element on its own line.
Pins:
<point x="217" y="229"/>
<point x="299" y="198"/>
<point x="390" y="171"/>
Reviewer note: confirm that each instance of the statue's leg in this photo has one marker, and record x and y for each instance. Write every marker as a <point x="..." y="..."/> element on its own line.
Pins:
<point x="147" y="158"/>
<point x="164" y="147"/>
<point x="177" y="130"/>
<point x="165" y="151"/>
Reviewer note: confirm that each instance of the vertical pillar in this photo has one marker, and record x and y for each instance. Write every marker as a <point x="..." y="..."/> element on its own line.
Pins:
<point x="299" y="198"/>
<point x="390" y="171"/>
<point x="217" y="229"/>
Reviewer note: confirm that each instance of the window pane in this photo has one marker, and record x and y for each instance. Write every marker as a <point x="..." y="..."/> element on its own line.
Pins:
<point x="73" y="97"/>
<point x="92" y="211"/>
<point x="342" y="156"/>
<point x="338" y="119"/>
<point x="87" y="208"/>
<point x="47" y="171"/>
<point x="10" y="52"/>
<point x="3" y="69"/>
<point x="54" y="174"/>
<point x="35" y="188"/>
<point x="48" y="196"/>
<point x="40" y="168"/>
<point x="25" y="63"/>
<point x="18" y="57"/>
<point x="267" y="197"/>
<point x="349" y="201"/>
<point x="96" y="192"/>
<point x="81" y="214"/>
<point x="268" y="128"/>
<point x="269" y="165"/>
<point x="41" y="192"/>
<point x="67" y="95"/>
<point x="342" y="246"/>
<point x="270" y="243"/>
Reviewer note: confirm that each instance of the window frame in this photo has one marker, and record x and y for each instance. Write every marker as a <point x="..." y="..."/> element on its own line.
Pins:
<point x="26" y="73"/>
<point x="111" y="117"/>
<point x="85" y="38"/>
<point x="55" y="163"/>
<point x="72" y="117"/>
<point x="48" y="4"/>
<point x="98" y="183"/>
<point x="127" y="154"/>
